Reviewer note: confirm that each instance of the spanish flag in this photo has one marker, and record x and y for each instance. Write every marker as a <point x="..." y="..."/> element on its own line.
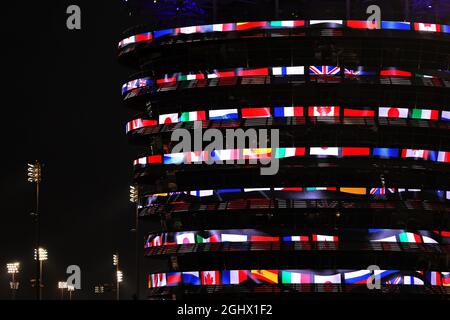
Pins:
<point x="269" y="276"/>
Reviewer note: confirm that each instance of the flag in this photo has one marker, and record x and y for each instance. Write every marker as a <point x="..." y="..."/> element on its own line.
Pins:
<point x="445" y="28"/>
<point x="357" y="277"/>
<point x="234" y="276"/>
<point x="185" y="238"/>
<point x="409" y="237"/>
<point x="189" y="30"/>
<point x="419" y="154"/>
<point x="294" y="277"/>
<point x="425" y="114"/>
<point x="428" y="27"/>
<point x="223" y="114"/>
<point x="255" y="113"/>
<point x="295" y="189"/>
<point x="324" y="238"/>
<point x="250" y="25"/>
<point x="351" y="152"/>
<point x="190" y="77"/>
<point x="383" y="274"/>
<point x="213" y="238"/>
<point x="361" y="71"/>
<point x="382" y="191"/>
<point x="168" y="118"/>
<point x="210" y="277"/>
<point x="411" y="280"/>
<point x="433" y="278"/>
<point x="173" y="278"/>
<point x="288" y="71"/>
<point x="174" y="158"/>
<point x="282" y="153"/>
<point x="325" y="111"/>
<point x="287" y="23"/>
<point x="330" y="23"/>
<point x="288" y="111"/>
<point x="296" y="239"/>
<point x="446" y="279"/>
<point x="256" y="189"/>
<point x="161" y="33"/>
<point x="324" y="70"/>
<point x="429" y="240"/>
<point x="393" y="72"/>
<point x="201" y="193"/>
<point x="445" y="115"/>
<point x="321" y="189"/>
<point x="193" y="116"/>
<point x="385" y="152"/>
<point x="362" y="24"/>
<point x="156" y="159"/>
<point x="324" y="151"/>
<point x="444" y="156"/>
<point x="158" y="280"/>
<point x="156" y="241"/>
<point x="269" y="276"/>
<point x="259" y="153"/>
<point x="241" y="72"/>
<point x="264" y="239"/>
<point x="359" y="113"/>
<point x="329" y="279"/>
<point x="359" y="191"/>
<point x="191" y="277"/>
<point x="223" y="27"/>
<point x="395" y="25"/>
<point x="393" y="112"/>
<point x="167" y="79"/>
<point x="140" y="161"/>
<point x="226" y="237"/>
<point x="386" y="239"/>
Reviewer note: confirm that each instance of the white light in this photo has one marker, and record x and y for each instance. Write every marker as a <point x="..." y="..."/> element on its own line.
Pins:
<point x="62" y="285"/>
<point x="13" y="267"/>
<point x="70" y="288"/>
<point x="115" y="259"/>
<point x="119" y="276"/>
<point x="42" y="254"/>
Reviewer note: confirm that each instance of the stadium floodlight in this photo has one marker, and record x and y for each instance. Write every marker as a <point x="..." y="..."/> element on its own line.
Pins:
<point x="134" y="198"/>
<point x="34" y="172"/>
<point x="13" y="267"/>
<point x="70" y="289"/>
<point x="62" y="285"/>
<point x="134" y="194"/>
<point x="43" y="254"/>
<point x="115" y="259"/>
<point x="119" y="276"/>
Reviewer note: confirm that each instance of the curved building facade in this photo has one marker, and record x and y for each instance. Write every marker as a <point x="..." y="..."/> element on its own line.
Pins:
<point x="359" y="203"/>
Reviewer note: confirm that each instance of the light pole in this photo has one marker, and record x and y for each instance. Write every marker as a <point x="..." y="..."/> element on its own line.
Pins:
<point x="62" y="285"/>
<point x="40" y="256"/>
<point x="13" y="268"/>
<point x="70" y="289"/>
<point x="118" y="273"/>
<point x="134" y="198"/>
<point x="35" y="176"/>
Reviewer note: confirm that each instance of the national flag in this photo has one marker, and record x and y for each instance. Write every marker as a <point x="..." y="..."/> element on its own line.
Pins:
<point x="331" y="23"/>
<point x="185" y="238"/>
<point x="158" y="280"/>
<point x="223" y="27"/>
<point x="223" y="114"/>
<point x="393" y="72"/>
<point x="445" y="115"/>
<point x="445" y="28"/>
<point x="167" y="79"/>
<point x="234" y="276"/>
<point x="227" y="237"/>
<point x="287" y="23"/>
<point x="205" y="28"/>
<point x="250" y="25"/>
<point x="324" y="70"/>
<point x="327" y="279"/>
<point x="362" y="24"/>
<point x="288" y="71"/>
<point x="212" y="239"/>
<point x="256" y="189"/>
<point x="168" y="118"/>
<point x="252" y="72"/>
<point x="385" y="152"/>
<point x="360" y="71"/>
<point x="258" y="153"/>
<point x="264" y="239"/>
<point x="433" y="278"/>
<point x="294" y="189"/>
<point x="394" y="280"/>
<point x="268" y="276"/>
<point x="324" y="238"/>
<point x="255" y="113"/>
<point x="359" y="113"/>
<point x="354" y="152"/>
<point x="127" y="41"/>
<point x="386" y="239"/>
<point x="146" y="36"/>
<point x="324" y="151"/>
<point x="225" y="155"/>
<point x="357" y="277"/>
<point x="201" y="193"/>
<point x="411" y="280"/>
<point x="444" y="156"/>
<point x="382" y="191"/>
<point x="296" y="239"/>
<point x="193" y="116"/>
<point x="140" y="161"/>
<point x="210" y="277"/>
<point x="282" y="153"/>
<point x="409" y="237"/>
<point x="156" y="159"/>
<point x="161" y="33"/>
<point x="140" y="123"/>
<point x="445" y="279"/>
<point x="395" y="25"/>
<point x="173" y="278"/>
<point x="191" y="277"/>
<point x="190" y="77"/>
<point x="429" y="240"/>
<point x="222" y="74"/>
<point x="428" y="27"/>
<point x="358" y="191"/>
<point x="321" y="189"/>
<point x="220" y="191"/>
<point x="418" y="154"/>
<point x="288" y="111"/>
<point x="393" y="112"/>
<point x="174" y="158"/>
<point x="383" y="274"/>
<point x="295" y="277"/>
<point x="425" y="114"/>
<point x="323" y="111"/>
<point x="189" y="30"/>
<point x="156" y="241"/>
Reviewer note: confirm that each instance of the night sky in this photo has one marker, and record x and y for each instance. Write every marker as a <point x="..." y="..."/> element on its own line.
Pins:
<point x="62" y="105"/>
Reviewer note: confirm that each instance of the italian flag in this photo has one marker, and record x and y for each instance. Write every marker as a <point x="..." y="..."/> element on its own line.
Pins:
<point x="425" y="114"/>
<point x="193" y="116"/>
<point x="409" y="237"/>
<point x="288" y="277"/>
<point x="288" y="23"/>
<point x="213" y="238"/>
<point x="282" y="153"/>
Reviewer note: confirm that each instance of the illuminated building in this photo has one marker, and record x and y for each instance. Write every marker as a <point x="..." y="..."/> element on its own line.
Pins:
<point x="363" y="113"/>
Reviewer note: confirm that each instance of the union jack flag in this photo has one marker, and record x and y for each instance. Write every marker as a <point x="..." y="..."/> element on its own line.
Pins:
<point x="395" y="280"/>
<point x="324" y="70"/>
<point x="382" y="191"/>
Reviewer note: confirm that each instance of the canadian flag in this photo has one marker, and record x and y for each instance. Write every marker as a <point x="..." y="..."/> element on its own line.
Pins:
<point x="159" y="280"/>
<point x="325" y="111"/>
<point x="210" y="277"/>
<point x="413" y="153"/>
<point x="429" y="27"/>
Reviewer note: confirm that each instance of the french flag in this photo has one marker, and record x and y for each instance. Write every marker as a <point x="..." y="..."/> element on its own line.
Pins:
<point x="296" y="239"/>
<point x="234" y="276"/>
<point x="288" y="111"/>
<point x="444" y="156"/>
<point x="433" y="278"/>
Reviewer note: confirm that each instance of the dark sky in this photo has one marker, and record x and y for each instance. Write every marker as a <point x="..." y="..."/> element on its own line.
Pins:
<point x="61" y="104"/>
